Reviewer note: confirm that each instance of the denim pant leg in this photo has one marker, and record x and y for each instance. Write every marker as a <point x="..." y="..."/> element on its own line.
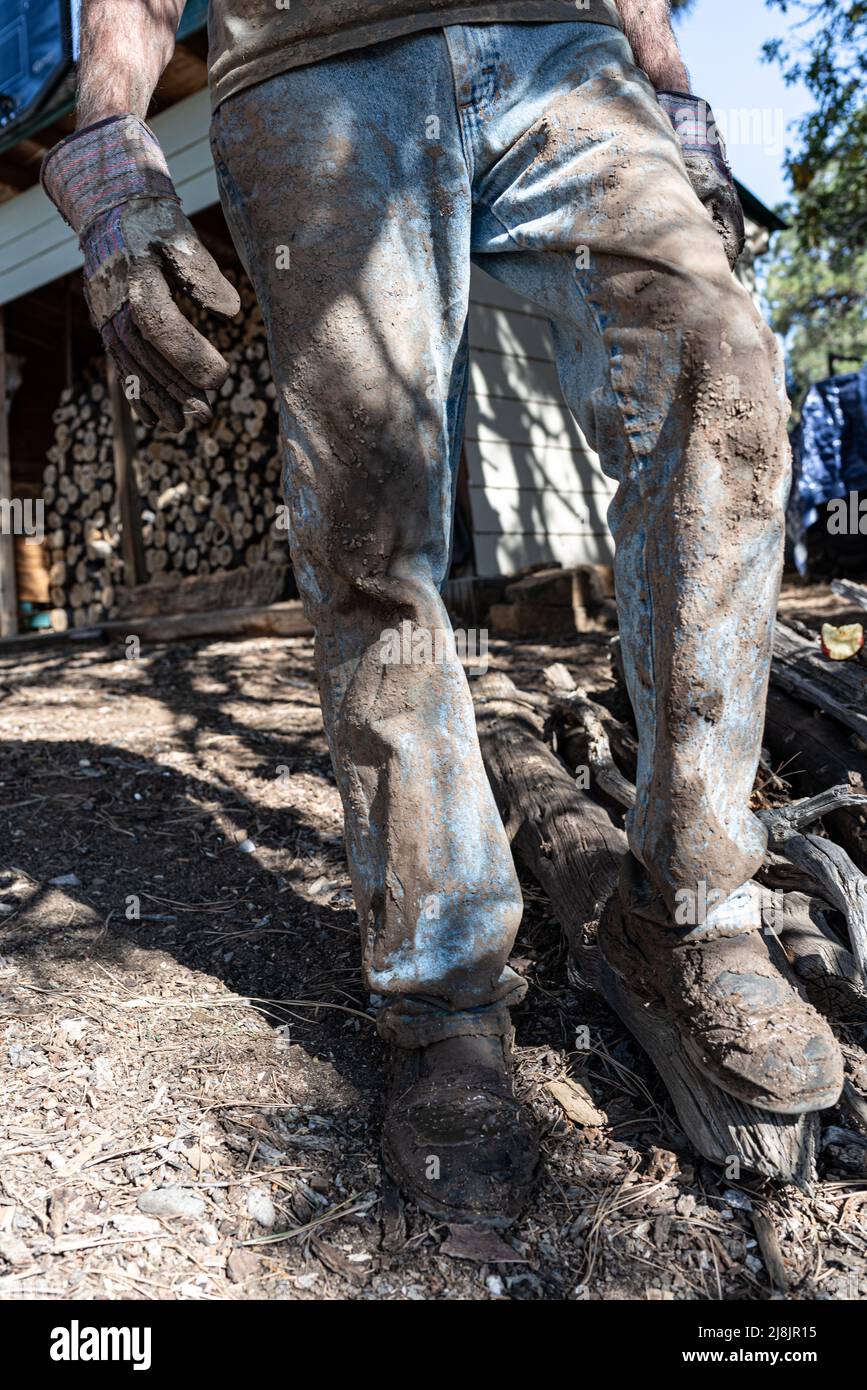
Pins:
<point x="347" y="192"/>
<point x="582" y="204"/>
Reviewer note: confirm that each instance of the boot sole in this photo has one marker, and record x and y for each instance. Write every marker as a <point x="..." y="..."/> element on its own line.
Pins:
<point x="458" y="1216"/>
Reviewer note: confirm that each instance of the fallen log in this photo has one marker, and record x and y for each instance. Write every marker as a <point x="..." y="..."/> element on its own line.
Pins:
<point x="813" y="753"/>
<point x="833" y="875"/>
<point x="564" y="837"/>
<point x="249" y="586"/>
<point x="600" y="759"/>
<point x="828" y="970"/>
<point x="573" y="849"/>
<point x="855" y="593"/>
<point x="277" y="620"/>
<point x="837" y="687"/>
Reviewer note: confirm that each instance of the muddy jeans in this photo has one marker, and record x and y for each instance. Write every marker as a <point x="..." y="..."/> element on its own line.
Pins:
<point x="358" y="191"/>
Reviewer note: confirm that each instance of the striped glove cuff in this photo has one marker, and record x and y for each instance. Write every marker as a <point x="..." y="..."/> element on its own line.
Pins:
<point x="695" y="127"/>
<point x="102" y="166"/>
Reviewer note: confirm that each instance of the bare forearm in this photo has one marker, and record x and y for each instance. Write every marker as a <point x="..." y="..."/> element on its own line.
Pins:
<point x="647" y="25"/>
<point x="125" y="47"/>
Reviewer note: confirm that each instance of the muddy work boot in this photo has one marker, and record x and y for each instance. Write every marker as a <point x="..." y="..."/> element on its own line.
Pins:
<point x="737" y="1006"/>
<point x="455" y="1139"/>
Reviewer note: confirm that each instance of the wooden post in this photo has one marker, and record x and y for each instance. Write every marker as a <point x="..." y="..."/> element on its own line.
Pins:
<point x="132" y="545"/>
<point x="8" y="595"/>
<point x="68" y="335"/>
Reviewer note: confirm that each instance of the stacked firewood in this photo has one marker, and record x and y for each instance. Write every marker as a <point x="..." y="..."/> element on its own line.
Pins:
<point x="209" y="496"/>
<point x="81" y="518"/>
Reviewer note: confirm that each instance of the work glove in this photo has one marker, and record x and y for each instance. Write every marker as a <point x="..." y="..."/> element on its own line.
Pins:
<point x="111" y="183"/>
<point x="704" y="153"/>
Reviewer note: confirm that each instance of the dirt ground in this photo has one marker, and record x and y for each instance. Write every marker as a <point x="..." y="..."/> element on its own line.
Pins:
<point x="192" y="1088"/>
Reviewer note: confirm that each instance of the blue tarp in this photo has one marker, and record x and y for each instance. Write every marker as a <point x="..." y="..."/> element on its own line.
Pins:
<point x="34" y="50"/>
<point x="830" y="451"/>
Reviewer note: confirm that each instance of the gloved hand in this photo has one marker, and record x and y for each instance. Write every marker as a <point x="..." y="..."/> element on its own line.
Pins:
<point x="111" y="183"/>
<point x="707" y="165"/>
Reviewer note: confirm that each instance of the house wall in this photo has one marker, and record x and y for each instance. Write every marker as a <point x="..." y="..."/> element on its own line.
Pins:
<point x="537" y="490"/>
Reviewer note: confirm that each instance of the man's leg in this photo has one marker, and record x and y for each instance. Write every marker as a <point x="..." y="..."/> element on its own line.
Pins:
<point x="348" y="195"/>
<point x="583" y="205"/>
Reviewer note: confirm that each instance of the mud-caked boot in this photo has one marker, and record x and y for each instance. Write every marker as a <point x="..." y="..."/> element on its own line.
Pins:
<point x="737" y="1006"/>
<point x="455" y="1139"/>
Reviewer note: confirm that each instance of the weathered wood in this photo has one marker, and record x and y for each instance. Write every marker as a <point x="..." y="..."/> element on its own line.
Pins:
<point x="782" y="821"/>
<point x="813" y="752"/>
<point x="837" y="687"/>
<point x="125" y="447"/>
<point x="564" y="837"/>
<point x="603" y="769"/>
<point x="8" y="591"/>
<point x="855" y="593"/>
<point x="538" y="620"/>
<point x="856" y="1102"/>
<point x="250" y="586"/>
<point x="837" y="880"/>
<point x="813" y="950"/>
<point x="574" y="850"/>
<point x="277" y="620"/>
<point x="772" y="1252"/>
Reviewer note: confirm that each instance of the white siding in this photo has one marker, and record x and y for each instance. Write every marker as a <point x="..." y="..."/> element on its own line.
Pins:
<point x="537" y="491"/>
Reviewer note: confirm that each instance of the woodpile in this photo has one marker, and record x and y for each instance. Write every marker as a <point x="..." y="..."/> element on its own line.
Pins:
<point x="811" y="795"/>
<point x="209" y="497"/>
<point x="556" y="602"/>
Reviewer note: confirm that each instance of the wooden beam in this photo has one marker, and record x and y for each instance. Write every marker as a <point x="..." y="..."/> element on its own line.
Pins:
<point x="125" y="446"/>
<point x="18" y="175"/>
<point x="49" y="135"/>
<point x="8" y="594"/>
<point x="197" y="43"/>
<point x="276" y="620"/>
<point x="185" y="74"/>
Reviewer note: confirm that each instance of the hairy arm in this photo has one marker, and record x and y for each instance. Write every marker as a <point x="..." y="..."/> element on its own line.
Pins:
<point x="647" y="25"/>
<point x="125" y="47"/>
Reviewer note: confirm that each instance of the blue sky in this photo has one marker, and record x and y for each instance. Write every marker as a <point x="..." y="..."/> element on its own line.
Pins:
<point x="722" y="42"/>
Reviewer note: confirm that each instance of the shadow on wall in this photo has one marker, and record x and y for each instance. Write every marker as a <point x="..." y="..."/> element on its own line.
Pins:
<point x="538" y="492"/>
